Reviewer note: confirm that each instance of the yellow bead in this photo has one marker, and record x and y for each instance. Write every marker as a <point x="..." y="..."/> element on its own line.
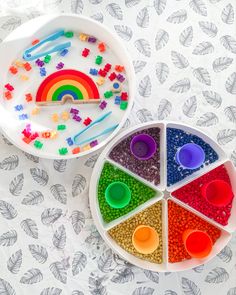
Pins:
<point x="24" y="77"/>
<point x="100" y="81"/>
<point x="86" y="147"/>
<point x="19" y="63"/>
<point x="53" y="134"/>
<point x="55" y="117"/>
<point x="65" y="116"/>
<point x="83" y="37"/>
<point x="35" y="111"/>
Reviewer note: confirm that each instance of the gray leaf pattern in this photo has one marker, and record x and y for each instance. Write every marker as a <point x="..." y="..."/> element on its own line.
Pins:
<point x="7" y="210"/>
<point x="145" y="86"/>
<point x="6" y="288"/>
<point x="79" y="262"/>
<point x="39" y="175"/>
<point x="183" y="55"/>
<point x="51" y="291"/>
<point x="32" y="276"/>
<point x="162" y="72"/>
<point x="229" y="43"/>
<point x="162" y="38"/>
<point x="217" y="275"/>
<point x="202" y="75"/>
<point x="203" y="48"/>
<point x="143" y="18"/>
<point x="59" y="237"/>
<point x="221" y="63"/>
<point x="190" y="106"/>
<point x="39" y="253"/>
<point x="78" y="185"/>
<point x="59" y="271"/>
<point x="186" y="36"/>
<point x="178" y="17"/>
<point x="9" y="163"/>
<point x="14" y="262"/>
<point x="30" y="227"/>
<point x="227" y="14"/>
<point x="16" y="185"/>
<point x="77" y="220"/>
<point x="33" y="198"/>
<point x="143" y="47"/>
<point x="208" y="28"/>
<point x="8" y="238"/>
<point x="59" y="193"/>
<point x="124" y="32"/>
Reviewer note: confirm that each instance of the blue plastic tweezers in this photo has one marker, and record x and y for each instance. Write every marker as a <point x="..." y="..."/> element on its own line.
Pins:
<point x="99" y="120"/>
<point x="28" y="52"/>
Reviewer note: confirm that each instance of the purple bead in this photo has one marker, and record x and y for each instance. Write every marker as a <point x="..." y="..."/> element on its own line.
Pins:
<point x="103" y="105"/>
<point x="77" y="118"/>
<point x="120" y="78"/>
<point x="74" y="111"/>
<point x="93" y="143"/>
<point x="92" y="39"/>
<point x="60" y="65"/>
<point x="28" y="127"/>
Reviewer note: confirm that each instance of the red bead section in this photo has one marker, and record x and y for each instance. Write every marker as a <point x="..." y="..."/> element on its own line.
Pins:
<point x="179" y="219"/>
<point x="191" y="195"/>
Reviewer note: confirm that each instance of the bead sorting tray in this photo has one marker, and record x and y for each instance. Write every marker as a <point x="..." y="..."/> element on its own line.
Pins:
<point x="17" y="113"/>
<point x="154" y="188"/>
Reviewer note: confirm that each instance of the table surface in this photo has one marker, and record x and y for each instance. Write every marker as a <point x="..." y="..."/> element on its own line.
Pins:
<point x="184" y="57"/>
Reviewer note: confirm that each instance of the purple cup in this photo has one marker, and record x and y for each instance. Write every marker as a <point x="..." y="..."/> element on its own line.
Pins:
<point x="143" y="146"/>
<point x="190" y="156"/>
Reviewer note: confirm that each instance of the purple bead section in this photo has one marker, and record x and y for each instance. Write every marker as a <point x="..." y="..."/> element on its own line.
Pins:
<point x="74" y="111"/>
<point x="103" y="105"/>
<point x="190" y="156"/>
<point x="149" y="169"/>
<point x="60" y="65"/>
<point x="93" y="143"/>
<point x="77" y="118"/>
<point x="92" y="39"/>
<point x="143" y="146"/>
<point x="120" y="78"/>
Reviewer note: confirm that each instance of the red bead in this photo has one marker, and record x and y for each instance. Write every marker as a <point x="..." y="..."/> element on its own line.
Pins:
<point x="76" y="150"/>
<point x="28" y="97"/>
<point x="9" y="87"/>
<point x="124" y="96"/>
<point x="27" y="66"/>
<point x="34" y="42"/>
<point x="85" y="52"/>
<point x="101" y="47"/>
<point x="26" y="133"/>
<point x="112" y="76"/>
<point x="119" y="68"/>
<point x="8" y="95"/>
<point x="34" y="135"/>
<point x="87" y="121"/>
<point x="26" y="140"/>
<point x="102" y="73"/>
<point x="13" y="70"/>
<point x="107" y="67"/>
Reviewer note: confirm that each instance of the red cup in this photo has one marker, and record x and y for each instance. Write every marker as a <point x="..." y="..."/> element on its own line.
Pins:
<point x="197" y="243"/>
<point x="217" y="192"/>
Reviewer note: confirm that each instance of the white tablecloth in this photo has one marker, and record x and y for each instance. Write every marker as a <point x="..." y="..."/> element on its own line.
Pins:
<point x="184" y="57"/>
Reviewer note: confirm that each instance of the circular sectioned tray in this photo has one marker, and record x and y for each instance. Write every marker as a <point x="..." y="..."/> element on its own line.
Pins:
<point x="164" y="196"/>
<point x="56" y="96"/>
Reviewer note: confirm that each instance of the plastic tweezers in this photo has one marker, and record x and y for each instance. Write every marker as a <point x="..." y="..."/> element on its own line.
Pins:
<point x="28" y="52"/>
<point x="100" y="119"/>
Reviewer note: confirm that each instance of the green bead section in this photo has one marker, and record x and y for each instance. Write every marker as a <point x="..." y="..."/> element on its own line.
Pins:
<point x="123" y="105"/>
<point x="38" y="144"/>
<point x="63" y="151"/>
<point x="69" y="34"/>
<point x="98" y="60"/>
<point x="61" y="127"/>
<point x="140" y="193"/>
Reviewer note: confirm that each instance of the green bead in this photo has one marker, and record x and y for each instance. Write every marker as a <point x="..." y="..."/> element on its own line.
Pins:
<point x="123" y="105"/>
<point x="38" y="144"/>
<point x="61" y="127"/>
<point x="98" y="60"/>
<point x="47" y="58"/>
<point x="108" y="94"/>
<point x="63" y="151"/>
<point x="69" y="34"/>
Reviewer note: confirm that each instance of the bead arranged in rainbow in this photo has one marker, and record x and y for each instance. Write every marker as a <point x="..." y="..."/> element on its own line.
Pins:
<point x="67" y="84"/>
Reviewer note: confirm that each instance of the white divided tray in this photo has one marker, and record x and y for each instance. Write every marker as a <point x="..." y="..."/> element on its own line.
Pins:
<point x="163" y="194"/>
<point x="13" y="47"/>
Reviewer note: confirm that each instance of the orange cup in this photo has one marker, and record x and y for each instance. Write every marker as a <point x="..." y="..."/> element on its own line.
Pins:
<point x="145" y="239"/>
<point x="197" y="243"/>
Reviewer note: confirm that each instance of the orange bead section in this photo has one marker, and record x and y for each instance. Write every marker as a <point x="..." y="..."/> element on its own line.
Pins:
<point x="180" y="220"/>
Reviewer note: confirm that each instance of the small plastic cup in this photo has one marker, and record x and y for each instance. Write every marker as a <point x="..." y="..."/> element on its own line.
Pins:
<point x="197" y="243"/>
<point x="217" y="192"/>
<point x="118" y="195"/>
<point x="143" y="146"/>
<point x="145" y="239"/>
<point x="190" y="156"/>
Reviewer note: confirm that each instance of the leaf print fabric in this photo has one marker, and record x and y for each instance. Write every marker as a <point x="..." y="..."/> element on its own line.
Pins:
<point x="184" y="57"/>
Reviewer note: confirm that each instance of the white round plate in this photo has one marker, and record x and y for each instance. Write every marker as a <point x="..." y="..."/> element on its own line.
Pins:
<point x="12" y="48"/>
<point x="163" y="194"/>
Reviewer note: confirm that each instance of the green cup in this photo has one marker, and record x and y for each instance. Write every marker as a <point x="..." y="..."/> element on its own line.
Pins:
<point x="117" y="195"/>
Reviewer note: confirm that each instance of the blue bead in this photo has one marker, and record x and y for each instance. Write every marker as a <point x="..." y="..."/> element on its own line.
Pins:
<point x="117" y="100"/>
<point x="64" y="52"/>
<point x="19" y="107"/>
<point x="23" y="117"/>
<point x="175" y="139"/>
<point x="69" y="141"/>
<point x="93" y="72"/>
